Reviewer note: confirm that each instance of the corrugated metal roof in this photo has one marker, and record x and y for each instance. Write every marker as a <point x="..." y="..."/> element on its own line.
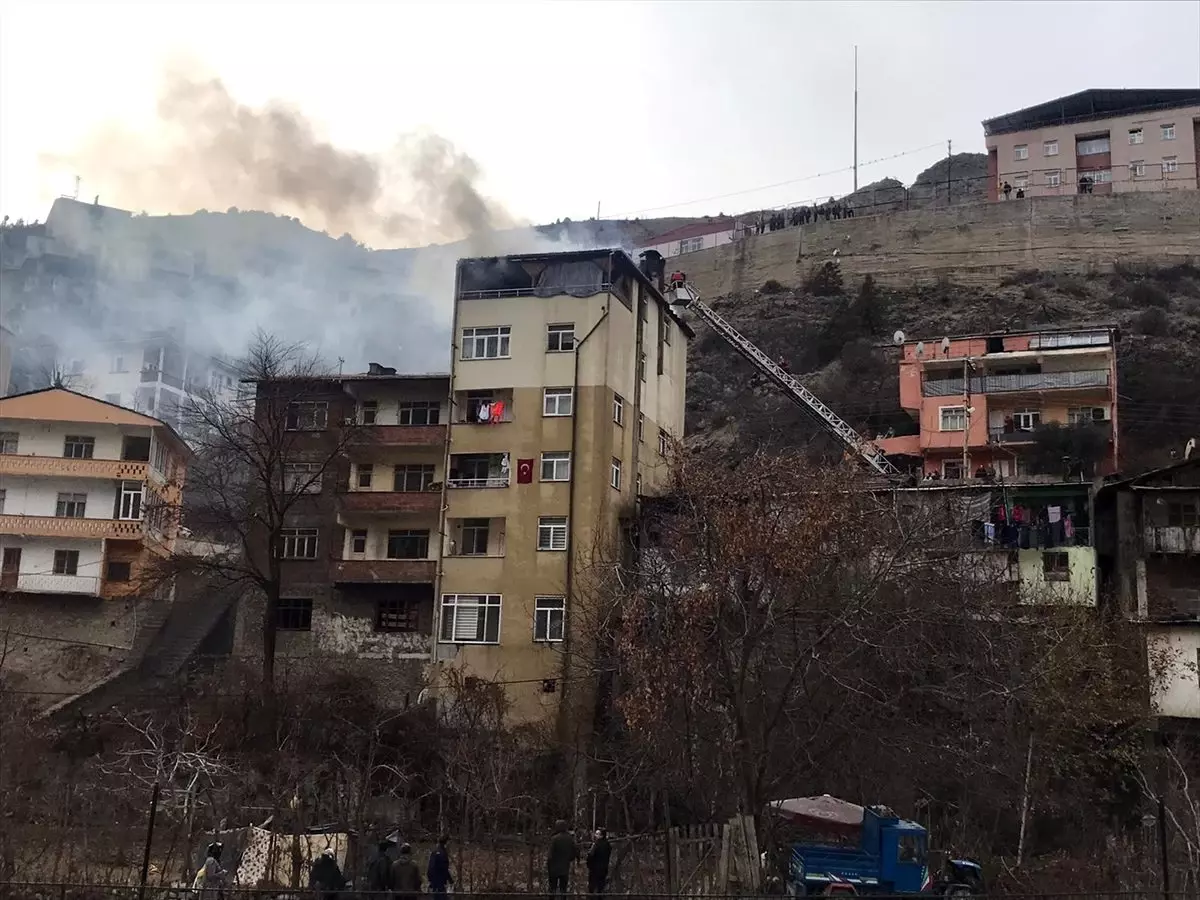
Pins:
<point x="1096" y="103"/>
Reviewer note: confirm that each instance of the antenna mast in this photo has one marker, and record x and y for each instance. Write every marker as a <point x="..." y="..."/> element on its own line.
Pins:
<point x="856" y="117"/>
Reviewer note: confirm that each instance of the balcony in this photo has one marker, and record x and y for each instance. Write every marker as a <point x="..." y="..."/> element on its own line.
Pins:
<point x="999" y="435"/>
<point x="1000" y="384"/>
<point x="86" y="529"/>
<point x="479" y="470"/>
<point x="59" y="584"/>
<point x="1175" y="605"/>
<point x="390" y="501"/>
<point x="372" y="571"/>
<point x="1172" y="539"/>
<point x="485" y="407"/>
<point x="491" y="481"/>
<point x="62" y="467"/>
<point x="364" y="436"/>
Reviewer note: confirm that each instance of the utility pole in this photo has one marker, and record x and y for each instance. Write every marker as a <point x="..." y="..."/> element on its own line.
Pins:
<point x="966" y="458"/>
<point x="856" y="117"/>
<point x="949" y="163"/>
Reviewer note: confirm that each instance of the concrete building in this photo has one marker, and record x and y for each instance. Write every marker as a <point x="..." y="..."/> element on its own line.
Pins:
<point x="1097" y="141"/>
<point x="693" y="237"/>
<point x="461" y="527"/>
<point x="90" y="491"/>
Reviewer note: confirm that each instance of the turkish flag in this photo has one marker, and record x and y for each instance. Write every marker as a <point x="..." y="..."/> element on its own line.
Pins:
<point x="524" y="471"/>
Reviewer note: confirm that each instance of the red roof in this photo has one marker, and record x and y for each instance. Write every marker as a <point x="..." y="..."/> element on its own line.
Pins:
<point x="696" y="229"/>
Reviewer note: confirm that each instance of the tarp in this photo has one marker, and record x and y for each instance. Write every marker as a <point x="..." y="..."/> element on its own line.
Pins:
<point x="257" y="857"/>
<point x="823" y="812"/>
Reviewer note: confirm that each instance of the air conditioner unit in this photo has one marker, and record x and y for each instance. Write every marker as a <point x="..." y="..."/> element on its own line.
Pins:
<point x="1100" y="414"/>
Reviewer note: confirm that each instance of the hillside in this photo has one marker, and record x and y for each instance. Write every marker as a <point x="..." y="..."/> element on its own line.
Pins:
<point x="840" y="336"/>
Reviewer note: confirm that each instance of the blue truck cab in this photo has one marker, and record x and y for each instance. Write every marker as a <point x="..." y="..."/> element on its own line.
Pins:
<point x="890" y="855"/>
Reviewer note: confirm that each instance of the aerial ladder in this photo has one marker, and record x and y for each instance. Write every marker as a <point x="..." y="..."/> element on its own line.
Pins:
<point x="680" y="293"/>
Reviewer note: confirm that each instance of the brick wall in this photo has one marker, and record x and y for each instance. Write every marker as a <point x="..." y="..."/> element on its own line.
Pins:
<point x="968" y="243"/>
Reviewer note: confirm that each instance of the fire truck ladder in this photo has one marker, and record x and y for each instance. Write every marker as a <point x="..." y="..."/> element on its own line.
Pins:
<point x="683" y="294"/>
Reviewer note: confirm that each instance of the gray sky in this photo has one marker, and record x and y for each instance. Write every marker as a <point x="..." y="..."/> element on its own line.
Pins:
<point x="648" y="108"/>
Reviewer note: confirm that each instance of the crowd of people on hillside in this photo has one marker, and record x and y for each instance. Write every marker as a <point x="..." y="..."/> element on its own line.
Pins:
<point x="394" y="873"/>
<point x="777" y="220"/>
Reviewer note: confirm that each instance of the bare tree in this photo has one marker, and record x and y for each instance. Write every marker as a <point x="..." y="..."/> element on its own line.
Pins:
<point x="261" y="458"/>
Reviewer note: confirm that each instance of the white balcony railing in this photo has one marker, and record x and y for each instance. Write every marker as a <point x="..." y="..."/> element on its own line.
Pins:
<point x="1172" y="539"/>
<point x="59" y="584"/>
<point x="999" y="384"/>
<point x="492" y="481"/>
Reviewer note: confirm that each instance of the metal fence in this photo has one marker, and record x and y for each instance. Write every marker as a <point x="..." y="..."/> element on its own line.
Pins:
<point x="59" y="891"/>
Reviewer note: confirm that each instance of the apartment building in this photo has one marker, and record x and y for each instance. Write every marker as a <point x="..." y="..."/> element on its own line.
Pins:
<point x="88" y="491"/>
<point x="693" y="237"/>
<point x="463" y="525"/>
<point x="1097" y="141"/>
<point x="1149" y="552"/>
<point x="1028" y="419"/>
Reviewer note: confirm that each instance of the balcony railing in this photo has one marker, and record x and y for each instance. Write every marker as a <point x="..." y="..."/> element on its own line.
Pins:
<point x="999" y="384"/>
<point x="492" y="481"/>
<point x="1176" y="604"/>
<point x="1172" y="539"/>
<point x="397" y="436"/>
<point x="552" y="291"/>
<point x="999" y="435"/>
<point x="58" y="466"/>
<point x="52" y="526"/>
<point x="59" y="584"/>
<point x="373" y="571"/>
<point x="390" y="501"/>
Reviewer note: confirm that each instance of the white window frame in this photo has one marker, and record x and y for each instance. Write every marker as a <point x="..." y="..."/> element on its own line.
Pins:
<point x="1170" y="164"/>
<point x="306" y="415"/>
<point x="641" y="428"/>
<point x="83" y="443"/>
<point x="131" y="500"/>
<point x="956" y="465"/>
<point x="364" y="475"/>
<point x="70" y="562"/>
<point x="1020" y="182"/>
<point x="355" y="534"/>
<point x="663" y="444"/>
<point x="560" y="338"/>
<point x="485" y="607"/>
<point x="1166" y="132"/>
<point x="10" y="442"/>
<point x="549" y="612"/>
<point x="1054" y="178"/>
<point x="298" y="543"/>
<point x="619" y="409"/>
<point x="614" y="474"/>
<point x="1020" y="152"/>
<point x="553" y="400"/>
<point x="478" y="341"/>
<point x="1050" y="148"/>
<point x="1137" y="136"/>
<point x="944" y="412"/>
<point x="302" y="477"/>
<point x="1088" y="146"/>
<point x="1099" y="176"/>
<point x="642" y="366"/>
<point x="556" y="465"/>
<point x="1027" y="419"/>
<point x="368" y="412"/>
<point x="73" y="505"/>
<point x="430" y="410"/>
<point x="1137" y="168"/>
<point x="552" y="533"/>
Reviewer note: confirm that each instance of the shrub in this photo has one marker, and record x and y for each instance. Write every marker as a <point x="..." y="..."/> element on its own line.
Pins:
<point x="1153" y="322"/>
<point x="1149" y="294"/>
<point x="771" y="286"/>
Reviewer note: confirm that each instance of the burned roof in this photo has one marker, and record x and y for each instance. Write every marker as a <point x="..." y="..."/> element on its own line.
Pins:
<point x="1096" y="103"/>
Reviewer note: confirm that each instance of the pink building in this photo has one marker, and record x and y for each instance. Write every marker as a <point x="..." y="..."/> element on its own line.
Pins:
<point x="1097" y="141"/>
<point x="981" y="401"/>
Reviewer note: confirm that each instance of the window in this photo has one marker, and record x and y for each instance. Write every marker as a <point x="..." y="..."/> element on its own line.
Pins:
<point x="114" y="399"/>
<point x="642" y="366"/>
<point x="1086" y="415"/>
<point x="953" y="418"/>
<point x="358" y="541"/>
<point x="1136" y="136"/>
<point x="642" y="427"/>
<point x="1050" y="148"/>
<point x="308" y="416"/>
<point x="1137" y="168"/>
<point x="1027" y="419"/>
<point x="368" y="410"/>
<point x="470" y="619"/>
<point x="1021" y="151"/>
<point x="1167" y="132"/>
<point x="422" y="412"/>
<point x="130" y="497"/>
<point x="664" y="328"/>
<point x="1092" y="146"/>
<point x="637" y="484"/>
<point x="556" y="465"/>
<point x="1056" y="566"/>
<point x="1020" y="182"/>
<point x="9" y="440"/>
<point x="294" y="614"/>
<point x="66" y="562"/>
<point x="486" y="343"/>
<point x="1183" y="515"/>
<point x="118" y="570"/>
<point x="365" y="473"/>
<point x="118" y="364"/>
<point x="662" y="442"/>
<point x="302" y="478"/>
<point x="1053" y="179"/>
<point x="1170" y="164"/>
<point x="3" y="495"/>
<point x="557" y="401"/>
<point x="79" y="447"/>
<point x="614" y="474"/>
<point x="408" y="544"/>
<point x="952" y="469"/>
<point x="413" y="478"/>
<point x="396" y="614"/>
<point x="298" y="543"/>
<point x="560" y="338"/>
<point x="619" y="410"/>
<point x="70" y="506"/>
<point x="552" y="533"/>
<point x="548" y="617"/>
<point x="474" y="537"/>
<point x="1099" y="176"/>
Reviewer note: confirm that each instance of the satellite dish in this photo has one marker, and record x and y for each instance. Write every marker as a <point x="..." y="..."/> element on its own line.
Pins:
<point x="920" y="348"/>
<point x="898" y="337"/>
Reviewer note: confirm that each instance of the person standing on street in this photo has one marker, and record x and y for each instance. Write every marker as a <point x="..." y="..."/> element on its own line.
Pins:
<point x="562" y="855"/>
<point x="597" y="862"/>
<point x="406" y="877"/>
<point x="326" y="876"/>
<point x="438" y="871"/>
<point x="379" y="872"/>
<point x="210" y="880"/>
